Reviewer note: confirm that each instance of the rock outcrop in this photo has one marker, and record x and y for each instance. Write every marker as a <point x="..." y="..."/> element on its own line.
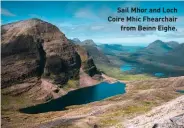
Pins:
<point x="174" y="122"/>
<point x="34" y="47"/>
<point x="168" y="115"/>
<point x="88" y="64"/>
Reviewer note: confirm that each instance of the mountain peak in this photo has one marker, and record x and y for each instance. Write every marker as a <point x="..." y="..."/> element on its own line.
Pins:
<point x="76" y="40"/>
<point x="158" y="47"/>
<point x="33" y="27"/>
<point x="35" y="19"/>
<point x="157" y="42"/>
<point x="89" y="42"/>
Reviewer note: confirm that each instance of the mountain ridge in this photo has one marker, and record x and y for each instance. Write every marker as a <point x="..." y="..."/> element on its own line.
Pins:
<point x="48" y="53"/>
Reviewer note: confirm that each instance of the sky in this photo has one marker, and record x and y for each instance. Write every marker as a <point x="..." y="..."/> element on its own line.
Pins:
<point x="88" y="20"/>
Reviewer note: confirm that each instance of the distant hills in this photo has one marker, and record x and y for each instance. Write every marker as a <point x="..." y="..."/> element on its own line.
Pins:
<point x="93" y="51"/>
<point x="159" y="47"/>
<point x="174" y="57"/>
<point x="156" y="53"/>
<point x="165" y="55"/>
<point x="172" y="44"/>
<point x="76" y="41"/>
<point x="114" y="49"/>
<point x="89" y="42"/>
<point x="170" y="53"/>
<point x="85" y="42"/>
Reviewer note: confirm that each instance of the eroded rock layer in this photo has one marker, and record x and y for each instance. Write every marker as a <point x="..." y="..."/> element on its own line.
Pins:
<point x="34" y="47"/>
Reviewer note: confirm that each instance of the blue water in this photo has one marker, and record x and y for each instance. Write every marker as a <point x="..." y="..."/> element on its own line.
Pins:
<point x="126" y="67"/>
<point x="159" y="74"/>
<point x="78" y="97"/>
<point x="137" y="69"/>
<point x="180" y="91"/>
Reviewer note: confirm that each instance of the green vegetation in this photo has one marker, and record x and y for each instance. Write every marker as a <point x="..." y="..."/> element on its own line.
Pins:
<point x="111" y="117"/>
<point x="118" y="74"/>
<point x="129" y="109"/>
<point x="12" y="102"/>
<point x="142" y="87"/>
<point x="71" y="84"/>
<point x="108" y="122"/>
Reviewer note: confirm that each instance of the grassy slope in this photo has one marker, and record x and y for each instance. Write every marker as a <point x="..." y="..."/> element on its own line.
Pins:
<point x="115" y="72"/>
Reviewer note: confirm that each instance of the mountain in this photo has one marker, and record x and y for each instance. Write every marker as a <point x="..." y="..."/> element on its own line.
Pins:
<point x="154" y="50"/>
<point x="76" y="41"/>
<point x="93" y="51"/>
<point x="85" y="42"/>
<point x="174" y="57"/>
<point x="158" y="57"/>
<point x="157" y="47"/>
<point x="89" y="42"/>
<point x="88" y="64"/>
<point x="36" y="48"/>
<point x="172" y="44"/>
<point x="178" y="51"/>
<point x="114" y="49"/>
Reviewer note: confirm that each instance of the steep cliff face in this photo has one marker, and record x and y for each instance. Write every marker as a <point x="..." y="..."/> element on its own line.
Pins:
<point x="34" y="47"/>
<point x="22" y="58"/>
<point x="88" y="64"/>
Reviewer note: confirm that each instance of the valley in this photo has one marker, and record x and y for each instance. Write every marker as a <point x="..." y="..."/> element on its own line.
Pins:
<point x="51" y="81"/>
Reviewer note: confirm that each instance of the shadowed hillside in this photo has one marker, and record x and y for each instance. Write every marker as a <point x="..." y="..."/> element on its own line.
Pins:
<point x="93" y="51"/>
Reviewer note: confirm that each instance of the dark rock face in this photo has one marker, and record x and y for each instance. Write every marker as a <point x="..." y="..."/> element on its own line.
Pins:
<point x="21" y="58"/>
<point x="90" y="68"/>
<point x="63" y="63"/>
<point x="34" y="47"/>
<point x="88" y="64"/>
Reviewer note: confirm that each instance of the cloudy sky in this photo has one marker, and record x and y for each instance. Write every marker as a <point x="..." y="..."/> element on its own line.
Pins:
<point x="88" y="20"/>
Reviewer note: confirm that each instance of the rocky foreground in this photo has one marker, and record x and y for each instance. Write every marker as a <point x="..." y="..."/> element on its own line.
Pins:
<point x="168" y="115"/>
<point x="147" y="103"/>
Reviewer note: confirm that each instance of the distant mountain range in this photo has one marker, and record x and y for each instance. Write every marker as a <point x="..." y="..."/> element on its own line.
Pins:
<point x="159" y="47"/>
<point x="85" y="42"/>
<point x="174" y="57"/>
<point x="114" y="49"/>
<point x="157" y="53"/>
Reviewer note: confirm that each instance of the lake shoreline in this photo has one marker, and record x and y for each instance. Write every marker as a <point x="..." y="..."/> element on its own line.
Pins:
<point x="106" y="78"/>
<point x="81" y="96"/>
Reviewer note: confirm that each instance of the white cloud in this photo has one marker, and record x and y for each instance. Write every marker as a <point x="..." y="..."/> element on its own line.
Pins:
<point x="135" y="40"/>
<point x="102" y="31"/>
<point x="85" y="13"/>
<point x="6" y="12"/>
<point x="97" y="27"/>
